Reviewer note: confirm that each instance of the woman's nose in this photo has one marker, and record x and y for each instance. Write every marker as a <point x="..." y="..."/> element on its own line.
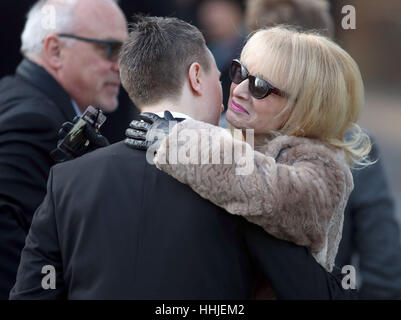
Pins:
<point x="241" y="90"/>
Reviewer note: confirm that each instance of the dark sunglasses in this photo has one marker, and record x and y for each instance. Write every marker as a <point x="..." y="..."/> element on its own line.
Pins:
<point x="258" y="87"/>
<point x="112" y="46"/>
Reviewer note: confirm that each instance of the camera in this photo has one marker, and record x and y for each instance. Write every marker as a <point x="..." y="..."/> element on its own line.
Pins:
<point x="76" y="143"/>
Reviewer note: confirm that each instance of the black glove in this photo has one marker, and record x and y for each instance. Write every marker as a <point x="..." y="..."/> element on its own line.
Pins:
<point x="141" y="134"/>
<point x="96" y="140"/>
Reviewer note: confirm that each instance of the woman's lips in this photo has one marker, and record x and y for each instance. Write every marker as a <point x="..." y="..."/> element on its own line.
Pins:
<point x="237" y="107"/>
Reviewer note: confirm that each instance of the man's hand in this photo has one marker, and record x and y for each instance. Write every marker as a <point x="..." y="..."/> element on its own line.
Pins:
<point x="96" y="141"/>
<point x="140" y="134"/>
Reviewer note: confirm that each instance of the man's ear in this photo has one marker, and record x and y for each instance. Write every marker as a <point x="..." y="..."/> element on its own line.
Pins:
<point x="194" y="77"/>
<point x="52" y="51"/>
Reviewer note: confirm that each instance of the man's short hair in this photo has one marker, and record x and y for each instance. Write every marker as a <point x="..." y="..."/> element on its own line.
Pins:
<point x="46" y="17"/>
<point x="155" y="59"/>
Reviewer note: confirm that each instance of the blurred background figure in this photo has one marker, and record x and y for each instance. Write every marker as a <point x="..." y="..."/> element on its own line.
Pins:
<point x="308" y="14"/>
<point x="66" y="67"/>
<point x="12" y="15"/>
<point x="222" y="23"/>
<point x="375" y="44"/>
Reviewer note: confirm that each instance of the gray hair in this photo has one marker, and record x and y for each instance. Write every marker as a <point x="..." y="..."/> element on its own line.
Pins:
<point x="44" y="18"/>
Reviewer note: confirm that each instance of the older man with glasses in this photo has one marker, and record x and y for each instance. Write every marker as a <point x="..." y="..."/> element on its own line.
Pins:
<point x="70" y="50"/>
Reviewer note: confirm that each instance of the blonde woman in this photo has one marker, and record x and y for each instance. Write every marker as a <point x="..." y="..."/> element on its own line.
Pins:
<point x="300" y="93"/>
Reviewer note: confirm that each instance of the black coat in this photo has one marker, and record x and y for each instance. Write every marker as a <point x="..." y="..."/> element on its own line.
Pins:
<point x="115" y="227"/>
<point x="371" y="233"/>
<point x="33" y="107"/>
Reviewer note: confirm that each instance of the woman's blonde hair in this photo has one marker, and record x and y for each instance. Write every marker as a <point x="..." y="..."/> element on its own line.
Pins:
<point x="323" y="81"/>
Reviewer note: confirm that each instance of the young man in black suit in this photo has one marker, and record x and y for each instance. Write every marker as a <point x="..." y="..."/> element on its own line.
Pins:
<point x="112" y="226"/>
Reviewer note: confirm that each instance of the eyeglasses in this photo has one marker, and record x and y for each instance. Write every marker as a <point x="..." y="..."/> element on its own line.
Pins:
<point x="112" y="46"/>
<point x="258" y="87"/>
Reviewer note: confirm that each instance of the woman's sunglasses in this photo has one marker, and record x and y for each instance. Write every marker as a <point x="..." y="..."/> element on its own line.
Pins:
<point x="258" y="87"/>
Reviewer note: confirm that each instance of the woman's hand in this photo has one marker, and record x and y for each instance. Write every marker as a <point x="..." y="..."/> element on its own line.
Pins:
<point x="141" y="134"/>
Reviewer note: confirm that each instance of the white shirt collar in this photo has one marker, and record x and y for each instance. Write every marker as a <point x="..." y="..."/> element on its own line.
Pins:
<point x="76" y="108"/>
<point x="175" y="115"/>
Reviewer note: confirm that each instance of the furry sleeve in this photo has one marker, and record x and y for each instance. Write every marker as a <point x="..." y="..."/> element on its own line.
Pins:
<point x="302" y="202"/>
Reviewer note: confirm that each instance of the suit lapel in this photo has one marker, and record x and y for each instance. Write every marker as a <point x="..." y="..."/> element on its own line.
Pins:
<point x="38" y="77"/>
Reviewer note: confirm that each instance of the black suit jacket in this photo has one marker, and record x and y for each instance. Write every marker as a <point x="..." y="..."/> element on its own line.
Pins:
<point x="33" y="107"/>
<point x="115" y="227"/>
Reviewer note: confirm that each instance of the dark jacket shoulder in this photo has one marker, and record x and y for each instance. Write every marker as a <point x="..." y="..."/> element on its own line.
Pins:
<point x="34" y="97"/>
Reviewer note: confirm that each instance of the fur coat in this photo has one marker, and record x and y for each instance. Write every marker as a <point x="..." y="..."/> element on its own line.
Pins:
<point x="297" y="190"/>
